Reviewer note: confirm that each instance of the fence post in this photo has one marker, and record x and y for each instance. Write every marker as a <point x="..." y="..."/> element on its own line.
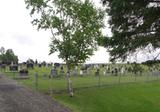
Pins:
<point x="99" y="80"/>
<point x="119" y="78"/>
<point x="50" y="87"/>
<point x="135" y="76"/>
<point x="36" y="81"/>
<point x="147" y="77"/>
<point x="157" y="74"/>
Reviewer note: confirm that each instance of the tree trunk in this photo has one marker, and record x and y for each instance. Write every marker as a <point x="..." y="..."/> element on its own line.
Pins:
<point x="70" y="89"/>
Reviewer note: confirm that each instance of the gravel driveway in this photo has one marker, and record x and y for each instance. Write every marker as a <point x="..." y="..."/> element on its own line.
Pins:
<point x="17" y="98"/>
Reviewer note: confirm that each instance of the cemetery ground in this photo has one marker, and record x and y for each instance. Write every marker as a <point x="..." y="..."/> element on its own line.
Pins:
<point x="122" y="93"/>
<point x="18" y="98"/>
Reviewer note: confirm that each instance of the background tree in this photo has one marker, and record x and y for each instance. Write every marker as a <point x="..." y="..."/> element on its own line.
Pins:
<point x="30" y="61"/>
<point x="75" y="26"/>
<point x="135" y="25"/>
<point x="2" y="50"/>
<point x="8" y="57"/>
<point x="36" y="61"/>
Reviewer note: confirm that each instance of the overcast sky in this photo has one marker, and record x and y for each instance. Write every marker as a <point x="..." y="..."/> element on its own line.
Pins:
<point x="17" y="33"/>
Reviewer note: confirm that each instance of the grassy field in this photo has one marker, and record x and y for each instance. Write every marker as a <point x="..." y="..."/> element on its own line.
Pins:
<point x="120" y="93"/>
<point x="141" y="97"/>
<point x="45" y="84"/>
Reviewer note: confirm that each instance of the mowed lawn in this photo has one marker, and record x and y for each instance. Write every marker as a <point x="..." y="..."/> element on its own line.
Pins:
<point x="44" y="84"/>
<point x="140" y="97"/>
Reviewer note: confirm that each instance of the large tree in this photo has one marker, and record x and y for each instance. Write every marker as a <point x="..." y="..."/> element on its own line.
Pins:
<point x="135" y="25"/>
<point x="75" y="26"/>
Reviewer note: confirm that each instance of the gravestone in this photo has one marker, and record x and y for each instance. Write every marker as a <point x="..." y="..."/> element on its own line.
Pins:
<point x="57" y="65"/>
<point x="39" y="65"/>
<point x="44" y="63"/>
<point x="30" y="65"/>
<point x="96" y="66"/>
<point x="23" y="74"/>
<point x="47" y="65"/>
<point x="112" y="71"/>
<point x="119" y="69"/>
<point x="13" y="68"/>
<point x="104" y="73"/>
<point x="126" y="69"/>
<point x="129" y="70"/>
<point x="54" y="72"/>
<point x="75" y="72"/>
<point x="97" y="72"/>
<point x="116" y="71"/>
<point x="83" y="70"/>
<point x="108" y="70"/>
<point x="62" y="71"/>
<point x="89" y="71"/>
<point x="81" y="73"/>
<point x="122" y="70"/>
<point x="3" y="66"/>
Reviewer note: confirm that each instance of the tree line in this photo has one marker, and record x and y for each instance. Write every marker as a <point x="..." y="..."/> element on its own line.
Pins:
<point x="7" y="56"/>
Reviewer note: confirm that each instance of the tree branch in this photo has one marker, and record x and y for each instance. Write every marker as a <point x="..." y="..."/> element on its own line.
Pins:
<point x="156" y="56"/>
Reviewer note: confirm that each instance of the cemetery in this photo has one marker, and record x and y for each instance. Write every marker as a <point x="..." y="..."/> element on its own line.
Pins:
<point x="94" y="86"/>
<point x="98" y="80"/>
<point x="54" y="78"/>
<point x="80" y="56"/>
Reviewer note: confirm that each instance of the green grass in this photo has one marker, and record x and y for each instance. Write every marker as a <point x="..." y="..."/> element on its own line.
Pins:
<point x="142" y="97"/>
<point x="117" y="97"/>
<point x="45" y="85"/>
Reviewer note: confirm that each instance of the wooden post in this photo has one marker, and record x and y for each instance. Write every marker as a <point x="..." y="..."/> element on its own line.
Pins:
<point x="135" y="76"/>
<point x="36" y="81"/>
<point x="119" y="78"/>
<point x="99" y="80"/>
<point x="147" y="77"/>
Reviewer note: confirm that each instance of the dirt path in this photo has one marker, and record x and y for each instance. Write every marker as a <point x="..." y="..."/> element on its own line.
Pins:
<point x="16" y="98"/>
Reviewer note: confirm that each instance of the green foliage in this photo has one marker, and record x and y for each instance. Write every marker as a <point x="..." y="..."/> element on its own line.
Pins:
<point x="151" y="62"/>
<point x="75" y="26"/>
<point x="135" y="24"/>
<point x="30" y="61"/>
<point x="8" y="56"/>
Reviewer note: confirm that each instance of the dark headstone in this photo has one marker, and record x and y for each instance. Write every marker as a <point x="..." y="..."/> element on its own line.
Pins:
<point x="61" y="68"/>
<point x="56" y="64"/>
<point x="97" y="72"/>
<point x="116" y="71"/>
<point x="13" y="68"/>
<point x="44" y="63"/>
<point x="30" y="65"/>
<point x="23" y="74"/>
<point x="3" y="66"/>
<point x="54" y="72"/>
<point x="84" y="67"/>
<point x="39" y="65"/>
